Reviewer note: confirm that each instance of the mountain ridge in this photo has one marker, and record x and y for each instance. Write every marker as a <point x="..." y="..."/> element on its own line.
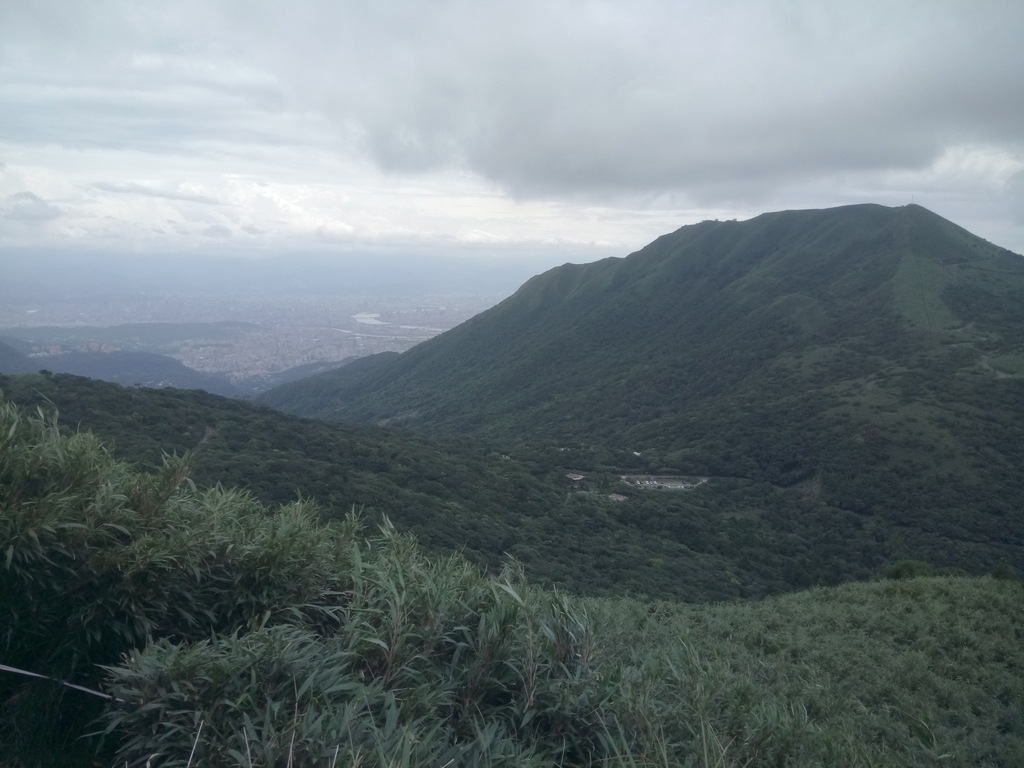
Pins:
<point x="546" y="300"/>
<point x="869" y="359"/>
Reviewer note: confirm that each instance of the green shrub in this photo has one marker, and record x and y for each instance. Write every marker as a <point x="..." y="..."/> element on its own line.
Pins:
<point x="98" y="559"/>
<point x="909" y="569"/>
<point x="432" y="663"/>
<point x="1004" y="572"/>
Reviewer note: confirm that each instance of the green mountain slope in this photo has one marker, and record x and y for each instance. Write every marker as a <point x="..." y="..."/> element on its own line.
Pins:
<point x="454" y="494"/>
<point x="625" y="347"/>
<point x="725" y="539"/>
<point x="255" y="636"/>
<point x="869" y="359"/>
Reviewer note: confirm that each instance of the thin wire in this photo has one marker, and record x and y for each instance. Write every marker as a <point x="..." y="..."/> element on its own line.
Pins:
<point x="58" y="681"/>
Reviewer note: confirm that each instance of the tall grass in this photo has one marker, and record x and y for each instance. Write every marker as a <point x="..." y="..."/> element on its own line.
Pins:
<point x="431" y="664"/>
<point x="99" y="559"/>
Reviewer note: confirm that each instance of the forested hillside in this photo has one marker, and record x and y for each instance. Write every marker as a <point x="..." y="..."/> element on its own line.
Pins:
<point x="865" y="360"/>
<point x="726" y="538"/>
<point x="238" y="635"/>
<point x="455" y="494"/>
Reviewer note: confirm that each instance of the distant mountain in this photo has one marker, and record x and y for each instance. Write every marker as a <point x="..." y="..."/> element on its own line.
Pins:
<point x="13" y="361"/>
<point x="134" y="369"/>
<point x="869" y="358"/>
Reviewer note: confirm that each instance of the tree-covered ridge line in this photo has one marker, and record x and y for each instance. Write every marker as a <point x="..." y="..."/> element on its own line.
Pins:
<point x="695" y="313"/>
<point x="731" y="537"/>
<point x="454" y="494"/>
<point x="268" y="638"/>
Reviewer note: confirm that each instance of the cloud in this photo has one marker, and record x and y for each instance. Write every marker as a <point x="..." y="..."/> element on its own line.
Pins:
<point x="1015" y="195"/>
<point x="597" y="99"/>
<point x="540" y="97"/>
<point x="139" y="189"/>
<point x="480" y="236"/>
<point x="335" y="232"/>
<point x="216" y="230"/>
<point x="30" y="208"/>
<point x="708" y="106"/>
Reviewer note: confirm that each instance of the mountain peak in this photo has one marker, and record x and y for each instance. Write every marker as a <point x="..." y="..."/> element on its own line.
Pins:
<point x="849" y="346"/>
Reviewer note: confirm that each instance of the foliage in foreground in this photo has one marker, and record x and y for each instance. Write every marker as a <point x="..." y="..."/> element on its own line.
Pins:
<point x="262" y="639"/>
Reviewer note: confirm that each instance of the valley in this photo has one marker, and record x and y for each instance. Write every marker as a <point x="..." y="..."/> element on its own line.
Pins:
<point x="767" y="401"/>
<point x="243" y="344"/>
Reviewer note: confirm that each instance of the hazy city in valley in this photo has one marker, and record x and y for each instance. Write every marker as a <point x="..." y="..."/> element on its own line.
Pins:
<point x="246" y="339"/>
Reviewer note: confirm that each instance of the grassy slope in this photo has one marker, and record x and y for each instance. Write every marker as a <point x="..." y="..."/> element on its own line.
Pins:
<point x="935" y="663"/>
<point x="918" y="673"/>
<point x="299" y="641"/>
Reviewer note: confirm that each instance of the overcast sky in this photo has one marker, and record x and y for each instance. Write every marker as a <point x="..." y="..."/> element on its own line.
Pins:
<point x="577" y="128"/>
